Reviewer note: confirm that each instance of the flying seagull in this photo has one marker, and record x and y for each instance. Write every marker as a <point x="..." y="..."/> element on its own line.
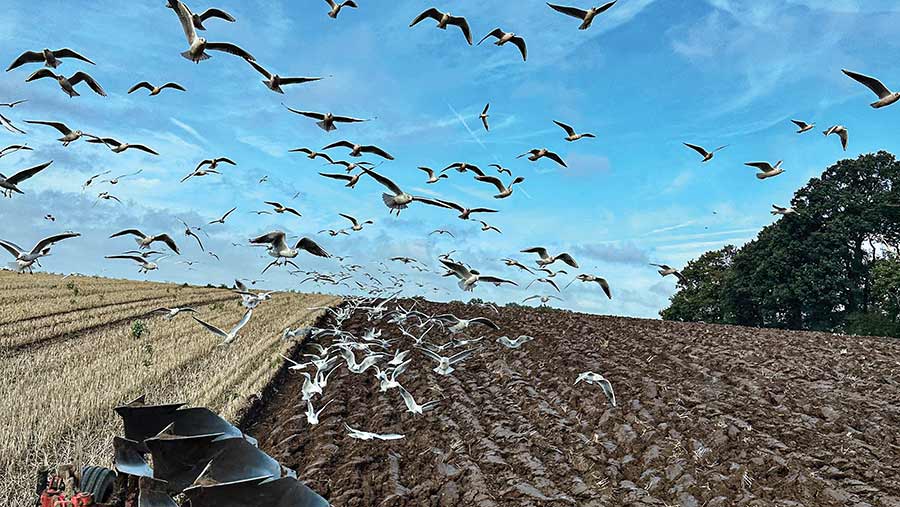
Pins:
<point x="118" y="147"/>
<point x="546" y="259"/>
<point x="12" y="104"/>
<point x="411" y="405"/>
<point x="841" y="132"/>
<point x="779" y="210"/>
<point x="587" y="17"/>
<point x="486" y="227"/>
<point x="514" y="344"/>
<point x="68" y="83"/>
<point x="198" y="45"/>
<point x="14" y="148"/>
<point x="280" y="208"/>
<point x="326" y="120"/>
<point x="462" y="167"/>
<point x="146" y="265"/>
<point x="505" y="191"/>
<point x="336" y="7"/>
<point x="351" y="180"/>
<point x="312" y="155"/>
<point x="598" y="380"/>
<point x="766" y="170"/>
<point x="571" y="135"/>
<point x="68" y="135"/>
<point x="356" y="150"/>
<point x="365" y="435"/>
<point x="501" y="169"/>
<point x="171" y="313"/>
<point x="707" y="155"/>
<point x="484" y="116"/>
<point x="445" y="19"/>
<point x="441" y="231"/>
<point x="154" y="90"/>
<point x="222" y="220"/>
<point x="431" y="177"/>
<point x="593" y="278"/>
<point x="885" y="96"/>
<point x="399" y="200"/>
<point x="47" y="57"/>
<point x="544" y="299"/>
<point x="10" y="184"/>
<point x="274" y="81"/>
<point x="198" y="19"/>
<point x="464" y="213"/>
<point x="356" y="224"/>
<point x="803" y="126"/>
<point x="666" y="270"/>
<point x="189" y="231"/>
<point x="278" y="248"/>
<point x="504" y="37"/>
<point x="517" y="264"/>
<point x="468" y="278"/>
<point x="445" y="364"/>
<point x="25" y="259"/>
<point x="198" y="173"/>
<point x="231" y="335"/>
<point x="8" y="125"/>
<point x="535" y="154"/>
<point x="144" y="241"/>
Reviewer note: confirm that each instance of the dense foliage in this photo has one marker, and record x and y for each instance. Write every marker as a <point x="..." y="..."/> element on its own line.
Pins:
<point x="831" y="266"/>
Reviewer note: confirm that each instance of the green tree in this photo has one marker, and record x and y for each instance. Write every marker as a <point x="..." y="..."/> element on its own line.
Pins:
<point x="700" y="297"/>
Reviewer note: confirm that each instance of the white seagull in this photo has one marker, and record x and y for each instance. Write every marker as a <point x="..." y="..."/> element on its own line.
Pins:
<point x="25" y="259"/>
<point x="598" y="380"/>
<point x="231" y="335"/>
<point x="365" y="435"/>
<point x="468" y="278"/>
<point x="144" y="241"/>
<point x="546" y="259"/>
<point x="840" y="131"/>
<point x="885" y="96"/>
<point x="766" y="170"/>
<point x="586" y="16"/>
<point x="198" y="45"/>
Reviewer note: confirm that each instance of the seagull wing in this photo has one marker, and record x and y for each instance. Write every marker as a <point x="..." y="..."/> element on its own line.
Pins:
<point x="431" y="202"/>
<point x="165" y="238"/>
<point x="216" y="13"/>
<point x="340" y="144"/>
<point x="227" y="47"/>
<point x="244" y="320"/>
<point x="308" y="114"/>
<point x="174" y="86"/>
<point x="569" y="11"/>
<point x="351" y="219"/>
<point x="430" y="13"/>
<point x="568" y="259"/>
<point x="311" y="247"/>
<point x="605" y="286"/>
<point x="556" y="158"/>
<point x="212" y="329"/>
<point x="485" y="321"/>
<point x="24" y="174"/>
<point x="337" y="176"/>
<point x="44" y="243"/>
<point x="569" y="130"/>
<point x="870" y="82"/>
<point x="185" y="18"/>
<point x="496" y="280"/>
<point x="384" y="181"/>
<point x="461" y="356"/>
<point x="541" y="251"/>
<point x="134" y="232"/>
<point x="698" y="149"/>
<point x="40" y="74"/>
<point x="143" y="148"/>
<point x="801" y="124"/>
<point x="84" y="76"/>
<point x="493" y="181"/>
<point x="377" y="151"/>
<point x="762" y="166"/>
<point x="520" y="43"/>
<point x="463" y="25"/>
<point x="142" y="84"/>
<point x="272" y="238"/>
<point x="26" y="57"/>
<point x="61" y="127"/>
<point x="259" y="68"/>
<point x="429" y="171"/>
<point x="11" y="248"/>
<point x="135" y="258"/>
<point x="498" y="33"/>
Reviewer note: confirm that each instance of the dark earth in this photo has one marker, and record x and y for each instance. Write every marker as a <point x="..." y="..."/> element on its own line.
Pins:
<point x="707" y="415"/>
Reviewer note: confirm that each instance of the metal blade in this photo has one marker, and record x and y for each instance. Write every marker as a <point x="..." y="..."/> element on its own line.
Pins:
<point x="153" y="494"/>
<point x="129" y="458"/>
<point x="284" y="492"/>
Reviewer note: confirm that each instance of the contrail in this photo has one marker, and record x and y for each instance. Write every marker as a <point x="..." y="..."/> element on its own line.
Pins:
<point x="478" y="140"/>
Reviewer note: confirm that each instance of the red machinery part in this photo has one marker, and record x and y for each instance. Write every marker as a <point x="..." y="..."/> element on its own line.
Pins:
<point x="56" y="498"/>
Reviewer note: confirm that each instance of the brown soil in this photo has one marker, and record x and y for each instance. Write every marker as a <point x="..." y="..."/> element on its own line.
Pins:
<point x="707" y="416"/>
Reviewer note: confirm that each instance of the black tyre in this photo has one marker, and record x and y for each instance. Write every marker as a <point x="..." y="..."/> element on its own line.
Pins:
<point x="99" y="482"/>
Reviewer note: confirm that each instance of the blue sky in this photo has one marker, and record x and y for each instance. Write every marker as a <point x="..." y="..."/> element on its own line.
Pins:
<point x="649" y="75"/>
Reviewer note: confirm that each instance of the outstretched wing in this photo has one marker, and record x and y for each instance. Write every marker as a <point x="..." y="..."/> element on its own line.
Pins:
<point x="311" y="247"/>
<point x="68" y="53"/>
<point x="217" y="13"/>
<point x="84" y="76"/>
<point x="870" y="82"/>
<point x="27" y="173"/>
<point x="698" y="149"/>
<point x="493" y="181"/>
<point x="26" y="57"/>
<point x="569" y="130"/>
<point x="227" y="47"/>
<point x="384" y="181"/>
<point x="44" y="243"/>
<point x="430" y="13"/>
<point x="569" y="11"/>
<point x="377" y="151"/>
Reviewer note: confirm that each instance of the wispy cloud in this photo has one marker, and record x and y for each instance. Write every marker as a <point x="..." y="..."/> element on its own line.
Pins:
<point x="190" y="130"/>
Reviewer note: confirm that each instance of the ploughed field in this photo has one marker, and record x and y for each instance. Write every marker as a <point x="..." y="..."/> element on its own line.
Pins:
<point x="707" y="416"/>
<point x="71" y="349"/>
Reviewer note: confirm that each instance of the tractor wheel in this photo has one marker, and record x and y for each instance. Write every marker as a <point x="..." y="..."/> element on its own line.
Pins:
<point x="99" y="482"/>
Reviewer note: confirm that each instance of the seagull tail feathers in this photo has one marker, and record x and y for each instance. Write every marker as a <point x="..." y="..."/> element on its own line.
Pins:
<point x="327" y="127"/>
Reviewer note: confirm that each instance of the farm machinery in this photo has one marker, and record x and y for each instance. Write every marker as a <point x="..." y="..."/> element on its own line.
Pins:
<point x="196" y="459"/>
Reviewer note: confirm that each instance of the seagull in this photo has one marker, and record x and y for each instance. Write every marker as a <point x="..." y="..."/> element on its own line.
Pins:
<point x="544" y="299"/>
<point x="68" y="84"/>
<point x="803" y="126"/>
<point x="312" y="416"/>
<point x="486" y="227"/>
<point x="274" y="81"/>
<point x="144" y="241"/>
<point x="431" y="177"/>
<point x="514" y="344"/>
<point x="118" y="147"/>
<point x="571" y="135"/>
<point x="411" y="404"/>
<point x="389" y="381"/>
<point x="484" y="112"/>
<point x="841" y="131"/>
<point x="352" y="166"/>
<point x="517" y="264"/>
<point x="146" y="266"/>
<point x="198" y="173"/>
<point x="357" y="226"/>
<point x="442" y="231"/>
<point x="468" y="278"/>
<point x="445" y="19"/>
<point x="222" y="220"/>
<point x="47" y="57"/>
<point x="8" y="125"/>
<point x="188" y="231"/>
<point x="69" y="135"/>
<point x="198" y="45"/>
<point x="501" y="169"/>
<point x="280" y="208"/>
<point x="310" y="154"/>
<point x="198" y="19"/>
<point x="25" y="259"/>
<point x="10" y="184"/>
<point x="50" y="218"/>
<point x="231" y="334"/>
<point x="351" y="180"/>
<point x="504" y="37"/>
<point x="549" y="281"/>
<point x="365" y="435"/>
<point x="766" y="169"/>
<point x="666" y="270"/>
<point x="535" y="154"/>
<point x="707" y="155"/>
<point x="145" y="255"/>
<point x="598" y="380"/>
<point x="356" y="150"/>
<point x="587" y="17"/>
<point x="326" y="120"/>
<point x="170" y="313"/>
<point x="399" y="200"/>
<point x="778" y="210"/>
<point x="154" y="90"/>
<point x="106" y="196"/>
<point x="546" y="259"/>
<point x="593" y="278"/>
<point x="505" y="191"/>
<point x="463" y="167"/>
<point x="336" y="7"/>
<point x="280" y="250"/>
<point x="115" y="181"/>
<point x="12" y="104"/>
<point x="445" y="364"/>
<point x="885" y="96"/>
<point x="14" y="148"/>
<point x="464" y="212"/>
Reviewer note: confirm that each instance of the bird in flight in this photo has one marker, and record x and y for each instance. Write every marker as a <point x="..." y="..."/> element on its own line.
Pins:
<point x="445" y="19"/>
<point x="504" y="37"/>
<point x="326" y="120"/>
<point x="885" y="96"/>
<point x="707" y="155"/>
<point x="586" y="16"/>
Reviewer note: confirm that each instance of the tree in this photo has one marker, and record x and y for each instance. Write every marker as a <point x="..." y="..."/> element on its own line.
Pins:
<point x="700" y="297"/>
